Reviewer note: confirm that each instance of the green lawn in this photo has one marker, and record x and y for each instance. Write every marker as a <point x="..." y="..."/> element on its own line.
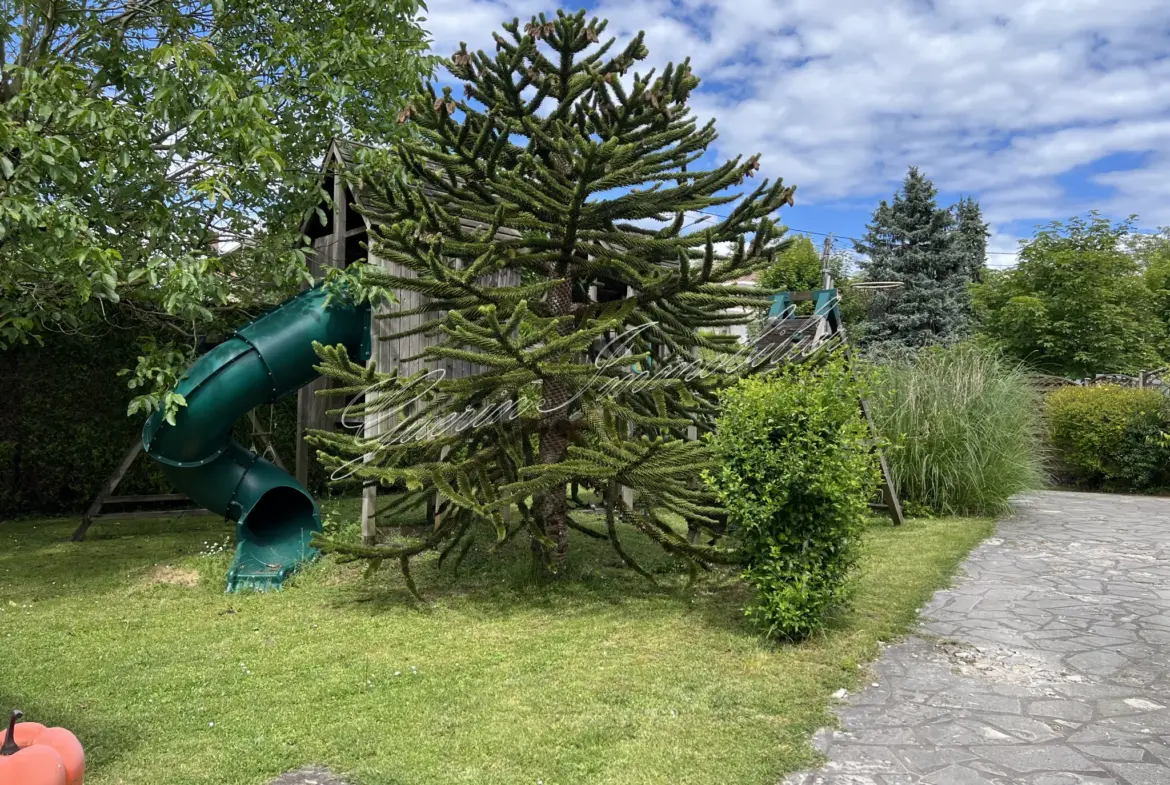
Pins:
<point x="601" y="679"/>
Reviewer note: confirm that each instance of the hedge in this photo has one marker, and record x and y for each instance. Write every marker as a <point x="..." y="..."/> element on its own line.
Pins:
<point x="63" y="424"/>
<point x="1110" y="437"/>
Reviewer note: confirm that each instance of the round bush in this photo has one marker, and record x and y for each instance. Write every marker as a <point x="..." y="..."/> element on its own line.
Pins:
<point x="796" y="475"/>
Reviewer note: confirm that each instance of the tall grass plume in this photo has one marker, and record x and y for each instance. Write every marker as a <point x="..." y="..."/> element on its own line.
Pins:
<point x="965" y="429"/>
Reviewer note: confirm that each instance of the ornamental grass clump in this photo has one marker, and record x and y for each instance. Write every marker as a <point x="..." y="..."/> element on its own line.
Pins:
<point x="964" y="426"/>
<point x="796" y="474"/>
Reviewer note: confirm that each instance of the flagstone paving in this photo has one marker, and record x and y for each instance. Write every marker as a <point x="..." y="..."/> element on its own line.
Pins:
<point x="1048" y="663"/>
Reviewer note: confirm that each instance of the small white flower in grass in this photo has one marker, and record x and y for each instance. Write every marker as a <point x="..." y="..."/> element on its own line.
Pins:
<point x="397" y="673"/>
<point x="211" y="724"/>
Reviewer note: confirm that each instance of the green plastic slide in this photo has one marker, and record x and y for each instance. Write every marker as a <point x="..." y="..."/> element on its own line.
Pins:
<point x="267" y="358"/>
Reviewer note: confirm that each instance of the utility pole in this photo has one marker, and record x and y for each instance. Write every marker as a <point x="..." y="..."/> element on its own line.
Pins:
<point x="826" y="272"/>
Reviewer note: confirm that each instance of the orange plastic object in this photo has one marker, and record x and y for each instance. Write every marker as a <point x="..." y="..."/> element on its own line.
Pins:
<point x="35" y="755"/>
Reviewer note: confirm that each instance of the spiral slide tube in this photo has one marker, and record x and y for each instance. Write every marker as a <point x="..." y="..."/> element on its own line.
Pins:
<point x="267" y="358"/>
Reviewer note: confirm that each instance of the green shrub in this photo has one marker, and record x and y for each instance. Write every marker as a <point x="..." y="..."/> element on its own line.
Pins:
<point x="1107" y="436"/>
<point x="964" y="426"/>
<point x="796" y="476"/>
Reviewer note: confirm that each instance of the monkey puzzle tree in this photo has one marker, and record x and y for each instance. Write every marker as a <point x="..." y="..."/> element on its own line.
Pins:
<point x="590" y="170"/>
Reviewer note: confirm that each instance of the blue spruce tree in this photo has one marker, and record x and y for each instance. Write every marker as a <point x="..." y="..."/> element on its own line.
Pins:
<point x="914" y="242"/>
<point x="972" y="239"/>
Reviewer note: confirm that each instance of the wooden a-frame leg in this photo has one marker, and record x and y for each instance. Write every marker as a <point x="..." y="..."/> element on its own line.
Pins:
<point x="110" y="486"/>
<point x="889" y="494"/>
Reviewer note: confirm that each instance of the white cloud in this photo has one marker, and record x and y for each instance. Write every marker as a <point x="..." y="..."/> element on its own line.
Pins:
<point x="1149" y="185"/>
<point x="997" y="99"/>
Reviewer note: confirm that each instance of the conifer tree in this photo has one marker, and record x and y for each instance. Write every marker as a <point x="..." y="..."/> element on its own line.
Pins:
<point x="594" y="354"/>
<point x="912" y="241"/>
<point x="972" y="237"/>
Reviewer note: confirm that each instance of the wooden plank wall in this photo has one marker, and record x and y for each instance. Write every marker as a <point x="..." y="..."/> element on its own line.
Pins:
<point x="328" y="251"/>
<point x="403" y="354"/>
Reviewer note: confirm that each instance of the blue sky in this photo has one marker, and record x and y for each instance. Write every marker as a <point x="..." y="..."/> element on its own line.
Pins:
<point x="1041" y="109"/>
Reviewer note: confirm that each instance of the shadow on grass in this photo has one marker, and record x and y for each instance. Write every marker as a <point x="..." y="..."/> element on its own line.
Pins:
<point x="40" y="562"/>
<point x="501" y="583"/>
<point x="43" y="564"/>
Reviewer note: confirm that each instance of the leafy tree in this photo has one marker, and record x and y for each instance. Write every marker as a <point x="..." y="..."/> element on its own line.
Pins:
<point x="971" y="240"/>
<point x="560" y="142"/>
<point x="912" y="241"/>
<point x="1076" y="304"/>
<point x="797" y="267"/>
<point x="138" y="140"/>
<point x="1152" y="253"/>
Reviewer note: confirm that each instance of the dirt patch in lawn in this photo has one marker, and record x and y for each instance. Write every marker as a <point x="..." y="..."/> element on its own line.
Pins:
<point x="173" y="576"/>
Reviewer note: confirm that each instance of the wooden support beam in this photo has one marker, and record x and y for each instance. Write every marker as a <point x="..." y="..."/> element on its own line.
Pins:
<point x="369" y="515"/>
<point x="889" y="494"/>
<point x="302" y="456"/>
<point x="310" y="408"/>
<point x="266" y="438"/>
<point x="826" y="271"/>
<point x="125" y="516"/>
<point x="106" y="498"/>
<point x="433" y="513"/>
<point x="146" y="497"/>
<point x="112" y="483"/>
<point x="628" y="493"/>
<point x="340" y="216"/>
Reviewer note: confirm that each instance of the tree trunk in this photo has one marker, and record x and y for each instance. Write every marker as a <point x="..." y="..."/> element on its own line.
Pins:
<point x="551" y="507"/>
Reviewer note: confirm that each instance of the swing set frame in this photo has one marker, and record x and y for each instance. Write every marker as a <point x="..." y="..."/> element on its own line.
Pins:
<point x="176" y="505"/>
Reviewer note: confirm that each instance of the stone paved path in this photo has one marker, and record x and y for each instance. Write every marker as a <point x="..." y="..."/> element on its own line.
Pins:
<point x="1047" y="664"/>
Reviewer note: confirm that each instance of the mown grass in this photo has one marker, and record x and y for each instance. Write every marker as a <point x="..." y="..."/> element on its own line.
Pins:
<point x="601" y="678"/>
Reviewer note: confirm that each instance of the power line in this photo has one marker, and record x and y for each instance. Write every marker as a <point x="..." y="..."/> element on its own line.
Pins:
<point x="319" y="172"/>
<point x="825" y="234"/>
